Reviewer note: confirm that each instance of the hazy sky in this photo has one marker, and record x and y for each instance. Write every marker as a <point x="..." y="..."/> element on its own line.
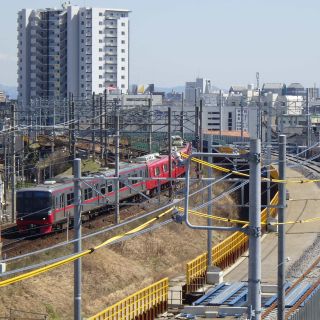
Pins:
<point x="173" y="41"/>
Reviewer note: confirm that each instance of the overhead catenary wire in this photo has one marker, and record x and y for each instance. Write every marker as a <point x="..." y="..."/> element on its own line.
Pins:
<point x="219" y="168"/>
<point x="115" y="241"/>
<point x="72" y="258"/>
<point x="219" y="218"/>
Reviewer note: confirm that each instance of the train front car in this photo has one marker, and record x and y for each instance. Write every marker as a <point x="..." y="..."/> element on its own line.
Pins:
<point x="34" y="207"/>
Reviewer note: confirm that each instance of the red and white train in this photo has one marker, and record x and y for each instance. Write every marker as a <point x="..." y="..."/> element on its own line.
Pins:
<point x="50" y="206"/>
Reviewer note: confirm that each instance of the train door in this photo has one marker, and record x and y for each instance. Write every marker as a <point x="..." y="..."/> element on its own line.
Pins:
<point x="62" y="205"/>
<point x="103" y="193"/>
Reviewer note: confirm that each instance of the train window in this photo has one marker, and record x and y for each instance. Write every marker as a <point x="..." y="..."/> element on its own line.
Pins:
<point x="33" y="201"/>
<point x="134" y="181"/>
<point x="70" y="198"/>
<point x="62" y="201"/>
<point x="97" y="189"/>
<point x="87" y="194"/>
<point x="156" y="171"/>
<point x="165" y="167"/>
<point x="110" y="188"/>
<point x="103" y="189"/>
<point x="121" y="185"/>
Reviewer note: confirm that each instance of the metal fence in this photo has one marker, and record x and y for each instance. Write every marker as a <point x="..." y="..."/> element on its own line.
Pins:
<point x="310" y="310"/>
<point x="145" y="304"/>
<point x="225" y="253"/>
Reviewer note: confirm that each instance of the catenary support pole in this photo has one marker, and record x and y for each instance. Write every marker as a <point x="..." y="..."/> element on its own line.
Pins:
<point x="13" y="163"/>
<point x="220" y="114"/>
<point x="209" y="234"/>
<point x="268" y="162"/>
<point x="182" y="116"/>
<point x="254" y="280"/>
<point x="196" y="135"/>
<point x="117" y="160"/>
<point x="281" y="229"/>
<point x="150" y="124"/>
<point x="93" y="126"/>
<point x="242" y="118"/>
<point x="105" y="129"/>
<point x="77" y="236"/>
<point x="53" y="126"/>
<point x="308" y="125"/>
<point x="73" y="133"/>
<point x="101" y="127"/>
<point x="200" y="130"/>
<point x="169" y="151"/>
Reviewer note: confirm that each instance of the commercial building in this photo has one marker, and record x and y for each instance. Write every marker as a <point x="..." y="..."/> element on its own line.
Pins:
<point x="193" y="90"/>
<point x="2" y="97"/>
<point x="72" y="50"/>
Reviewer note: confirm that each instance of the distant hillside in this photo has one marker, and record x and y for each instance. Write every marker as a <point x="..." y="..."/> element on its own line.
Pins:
<point x="9" y="90"/>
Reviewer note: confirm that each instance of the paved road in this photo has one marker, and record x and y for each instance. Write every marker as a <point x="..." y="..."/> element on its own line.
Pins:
<point x="305" y="204"/>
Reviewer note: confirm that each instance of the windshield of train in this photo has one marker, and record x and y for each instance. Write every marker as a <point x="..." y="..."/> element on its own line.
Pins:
<point x="35" y="202"/>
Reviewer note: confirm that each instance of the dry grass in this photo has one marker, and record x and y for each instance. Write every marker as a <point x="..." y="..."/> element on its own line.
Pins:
<point x="112" y="273"/>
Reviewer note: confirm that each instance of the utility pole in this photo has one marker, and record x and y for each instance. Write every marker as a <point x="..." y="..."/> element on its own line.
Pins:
<point x="169" y="152"/>
<point x="117" y="160"/>
<point x="93" y="132"/>
<point x="150" y="124"/>
<point x="281" y="228"/>
<point x="13" y="157"/>
<point x="182" y="116"/>
<point x="77" y="237"/>
<point x="254" y="230"/>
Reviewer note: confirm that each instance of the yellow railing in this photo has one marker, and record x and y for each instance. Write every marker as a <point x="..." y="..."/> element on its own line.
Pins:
<point x="146" y="303"/>
<point x="226" y="252"/>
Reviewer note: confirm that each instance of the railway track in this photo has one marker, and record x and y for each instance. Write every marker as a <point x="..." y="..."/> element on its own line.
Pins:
<point x="15" y="244"/>
<point x="312" y="166"/>
<point x="311" y="277"/>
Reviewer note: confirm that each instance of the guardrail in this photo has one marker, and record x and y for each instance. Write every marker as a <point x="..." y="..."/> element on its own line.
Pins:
<point x="225" y="253"/>
<point x="144" y="304"/>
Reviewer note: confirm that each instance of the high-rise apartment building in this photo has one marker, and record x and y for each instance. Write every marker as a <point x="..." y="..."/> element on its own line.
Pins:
<point x="72" y="50"/>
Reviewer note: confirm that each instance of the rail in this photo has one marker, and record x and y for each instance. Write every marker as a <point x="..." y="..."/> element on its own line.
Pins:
<point x="144" y="304"/>
<point x="225" y="253"/>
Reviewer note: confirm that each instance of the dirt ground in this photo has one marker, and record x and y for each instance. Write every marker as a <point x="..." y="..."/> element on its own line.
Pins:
<point x="112" y="273"/>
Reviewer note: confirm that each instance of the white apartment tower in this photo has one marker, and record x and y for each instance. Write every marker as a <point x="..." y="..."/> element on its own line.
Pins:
<point x="72" y="50"/>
